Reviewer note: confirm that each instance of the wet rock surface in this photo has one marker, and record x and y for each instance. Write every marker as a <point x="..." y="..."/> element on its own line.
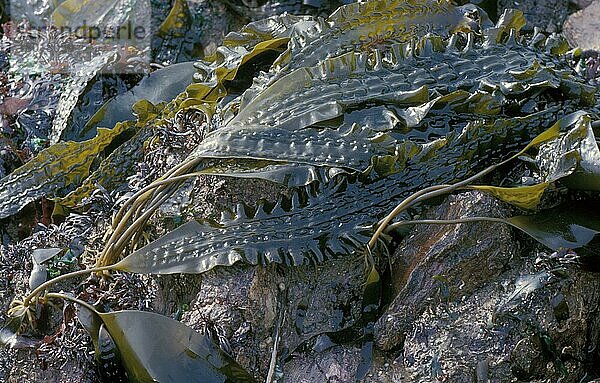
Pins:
<point x="582" y="29"/>
<point x="548" y="15"/>
<point x="436" y="264"/>
<point x="245" y="307"/>
<point x="496" y="313"/>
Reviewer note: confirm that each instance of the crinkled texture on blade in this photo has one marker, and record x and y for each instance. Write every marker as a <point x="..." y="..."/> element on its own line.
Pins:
<point x="333" y="219"/>
<point x="452" y="86"/>
<point x="53" y="171"/>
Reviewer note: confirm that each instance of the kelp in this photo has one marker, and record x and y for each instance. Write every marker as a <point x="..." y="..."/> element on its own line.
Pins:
<point x="384" y="99"/>
<point x="527" y="197"/>
<point x="53" y="171"/>
<point x="261" y="9"/>
<point x="108" y="357"/>
<point x="213" y="87"/>
<point x="158" y="87"/>
<point x="278" y="124"/>
<point x="418" y="80"/>
<point x="300" y="230"/>
<point x="184" y="356"/>
<point x="385" y="164"/>
<point x="74" y="90"/>
<point x="113" y="13"/>
<point x="53" y="174"/>
<point x="113" y="171"/>
<point x="572" y="225"/>
<point x="97" y="92"/>
<point x="155" y="348"/>
<point x="364" y="25"/>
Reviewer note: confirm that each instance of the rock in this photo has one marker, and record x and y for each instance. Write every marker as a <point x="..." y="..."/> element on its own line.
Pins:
<point x="494" y="316"/>
<point x="463" y="257"/>
<point x="548" y="15"/>
<point x="581" y="4"/>
<point x="241" y="306"/>
<point x="582" y="29"/>
<point x="337" y="364"/>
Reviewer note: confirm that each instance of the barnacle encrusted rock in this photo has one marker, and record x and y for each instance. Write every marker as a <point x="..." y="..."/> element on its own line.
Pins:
<point x="581" y="28"/>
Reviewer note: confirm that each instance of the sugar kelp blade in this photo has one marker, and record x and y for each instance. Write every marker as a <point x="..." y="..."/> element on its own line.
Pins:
<point x="257" y="236"/>
<point x="524" y="197"/>
<point x="359" y="25"/>
<point x="155" y="348"/>
<point x="74" y="92"/>
<point x="103" y="13"/>
<point x="277" y="122"/>
<point x="53" y="171"/>
<point x="160" y="86"/>
<point x="334" y="219"/>
<point x="560" y="154"/>
<point x="574" y="157"/>
<point x="572" y="225"/>
<point x="284" y="173"/>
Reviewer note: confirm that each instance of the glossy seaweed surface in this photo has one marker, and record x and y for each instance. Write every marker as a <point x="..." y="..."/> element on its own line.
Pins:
<point x="353" y="112"/>
<point x="382" y="99"/>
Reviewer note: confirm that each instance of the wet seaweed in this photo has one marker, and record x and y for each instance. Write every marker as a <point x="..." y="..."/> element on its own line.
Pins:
<point x="440" y="112"/>
<point x="385" y="164"/>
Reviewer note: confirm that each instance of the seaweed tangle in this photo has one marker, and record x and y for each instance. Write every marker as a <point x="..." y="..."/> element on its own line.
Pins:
<point x="384" y="101"/>
<point x="352" y="112"/>
<point x="359" y="127"/>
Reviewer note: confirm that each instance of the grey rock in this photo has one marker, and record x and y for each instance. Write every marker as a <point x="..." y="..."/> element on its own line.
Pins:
<point x="494" y="316"/>
<point x="581" y="4"/>
<point x="334" y="365"/>
<point x="582" y="29"/>
<point x="548" y="15"/>
<point x="465" y="257"/>
<point x="242" y="306"/>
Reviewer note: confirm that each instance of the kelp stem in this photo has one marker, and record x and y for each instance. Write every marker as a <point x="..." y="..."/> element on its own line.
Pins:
<point x="164" y="179"/>
<point x="447" y="222"/>
<point x="430" y="192"/>
<point x="35" y="292"/>
<point x="73" y="299"/>
<point x="136" y="225"/>
<point x="121" y="219"/>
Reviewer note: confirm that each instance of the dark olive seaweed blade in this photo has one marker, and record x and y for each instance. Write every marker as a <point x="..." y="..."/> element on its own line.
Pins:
<point x="571" y="225"/>
<point x="276" y="125"/>
<point x="160" y="86"/>
<point x="155" y="348"/>
<point x="338" y="218"/>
